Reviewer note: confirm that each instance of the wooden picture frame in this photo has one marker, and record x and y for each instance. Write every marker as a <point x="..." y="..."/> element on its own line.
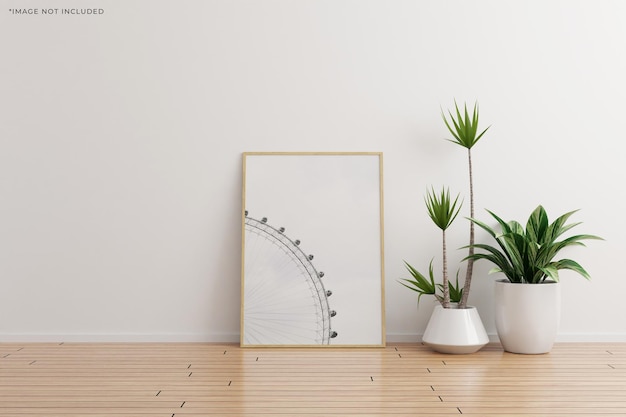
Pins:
<point x="312" y="266"/>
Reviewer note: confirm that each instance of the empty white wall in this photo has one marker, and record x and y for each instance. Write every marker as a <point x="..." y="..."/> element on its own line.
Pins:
<point x="121" y="138"/>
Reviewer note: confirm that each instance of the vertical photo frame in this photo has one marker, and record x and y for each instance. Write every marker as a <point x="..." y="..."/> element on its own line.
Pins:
<point x="312" y="270"/>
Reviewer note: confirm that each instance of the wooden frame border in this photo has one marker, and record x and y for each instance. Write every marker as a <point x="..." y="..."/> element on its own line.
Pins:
<point x="379" y="156"/>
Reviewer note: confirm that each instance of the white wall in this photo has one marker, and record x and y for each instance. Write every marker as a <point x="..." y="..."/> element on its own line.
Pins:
<point x="121" y="139"/>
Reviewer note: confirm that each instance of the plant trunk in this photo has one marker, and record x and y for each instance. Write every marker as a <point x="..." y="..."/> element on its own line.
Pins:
<point x="446" y="285"/>
<point x="470" y="262"/>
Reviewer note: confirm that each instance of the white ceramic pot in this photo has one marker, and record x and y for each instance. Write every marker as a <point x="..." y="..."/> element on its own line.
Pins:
<point x="527" y="316"/>
<point x="454" y="330"/>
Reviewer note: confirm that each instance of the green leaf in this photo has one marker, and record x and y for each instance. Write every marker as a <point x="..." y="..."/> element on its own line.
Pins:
<point x="572" y="266"/>
<point x="463" y="127"/>
<point x="441" y="209"/>
<point x="419" y="283"/>
<point x="456" y="293"/>
<point x="552" y="272"/>
<point x="527" y="255"/>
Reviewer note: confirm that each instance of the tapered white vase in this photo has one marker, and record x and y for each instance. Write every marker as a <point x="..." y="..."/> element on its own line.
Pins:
<point x="454" y="330"/>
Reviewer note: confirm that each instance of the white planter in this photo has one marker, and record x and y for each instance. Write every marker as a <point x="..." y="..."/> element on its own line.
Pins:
<point x="453" y="330"/>
<point x="527" y="316"/>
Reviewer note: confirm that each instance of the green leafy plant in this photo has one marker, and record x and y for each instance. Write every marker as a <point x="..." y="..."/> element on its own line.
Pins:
<point x="442" y="211"/>
<point x="528" y="255"/>
<point x="464" y="129"/>
<point x="427" y="286"/>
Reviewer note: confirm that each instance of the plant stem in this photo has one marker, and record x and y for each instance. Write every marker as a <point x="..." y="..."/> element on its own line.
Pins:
<point x="470" y="262"/>
<point x="446" y="286"/>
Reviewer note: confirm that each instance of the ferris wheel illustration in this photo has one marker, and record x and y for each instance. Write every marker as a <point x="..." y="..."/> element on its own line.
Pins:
<point x="285" y="301"/>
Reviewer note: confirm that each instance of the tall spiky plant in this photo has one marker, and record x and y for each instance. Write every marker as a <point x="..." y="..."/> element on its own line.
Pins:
<point x="442" y="211"/>
<point x="464" y="129"/>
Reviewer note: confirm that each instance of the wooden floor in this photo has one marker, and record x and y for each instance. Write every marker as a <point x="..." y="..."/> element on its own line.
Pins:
<point x="164" y="380"/>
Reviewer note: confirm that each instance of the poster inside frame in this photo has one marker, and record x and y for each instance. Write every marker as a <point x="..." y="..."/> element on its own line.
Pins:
<point x="312" y="249"/>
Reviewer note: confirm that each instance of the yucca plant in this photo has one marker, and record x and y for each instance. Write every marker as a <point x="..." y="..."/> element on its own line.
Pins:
<point x="442" y="211"/>
<point x="528" y="255"/>
<point x="464" y="129"/>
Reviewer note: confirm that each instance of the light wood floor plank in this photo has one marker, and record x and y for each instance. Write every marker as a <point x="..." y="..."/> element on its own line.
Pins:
<point x="194" y="379"/>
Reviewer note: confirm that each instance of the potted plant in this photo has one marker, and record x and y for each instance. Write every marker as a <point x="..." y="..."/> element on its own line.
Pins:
<point x="528" y="300"/>
<point x="454" y="326"/>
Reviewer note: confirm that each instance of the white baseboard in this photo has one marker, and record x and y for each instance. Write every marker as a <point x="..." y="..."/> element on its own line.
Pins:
<point x="119" y="338"/>
<point x="591" y="337"/>
<point x="234" y="338"/>
<point x="561" y="337"/>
